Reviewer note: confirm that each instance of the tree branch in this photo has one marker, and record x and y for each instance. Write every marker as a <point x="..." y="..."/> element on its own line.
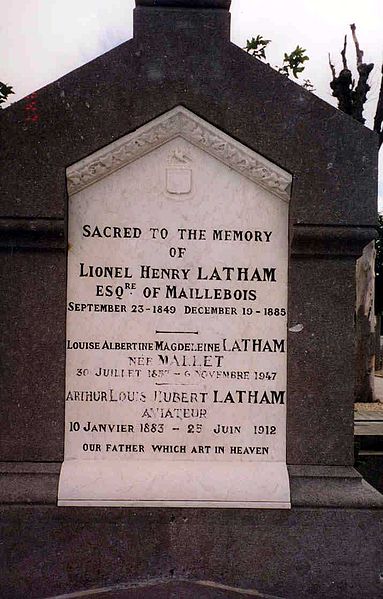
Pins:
<point x="342" y="85"/>
<point x="343" y="53"/>
<point x="359" y="94"/>
<point x="332" y="67"/>
<point x="378" y="120"/>
<point x="359" y="52"/>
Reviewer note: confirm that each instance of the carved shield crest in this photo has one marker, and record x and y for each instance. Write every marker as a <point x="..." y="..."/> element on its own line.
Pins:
<point x="178" y="175"/>
<point x="178" y="180"/>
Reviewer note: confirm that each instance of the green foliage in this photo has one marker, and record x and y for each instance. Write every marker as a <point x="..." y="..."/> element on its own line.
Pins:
<point x="293" y="63"/>
<point x="5" y="91"/>
<point x="257" y="47"/>
<point x="308" y="85"/>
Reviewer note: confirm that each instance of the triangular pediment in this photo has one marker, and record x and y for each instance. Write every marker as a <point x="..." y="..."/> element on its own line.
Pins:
<point x="179" y="122"/>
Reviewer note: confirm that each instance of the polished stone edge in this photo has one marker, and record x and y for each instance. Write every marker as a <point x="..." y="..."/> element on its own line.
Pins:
<point x="175" y="587"/>
<point x="328" y="241"/>
<point x="41" y="234"/>
<point x="179" y="122"/>
<point x="26" y="483"/>
<point x="225" y="4"/>
<point x="331" y="486"/>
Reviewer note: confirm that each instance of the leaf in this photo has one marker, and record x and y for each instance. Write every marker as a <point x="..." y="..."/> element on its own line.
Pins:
<point x="5" y="91"/>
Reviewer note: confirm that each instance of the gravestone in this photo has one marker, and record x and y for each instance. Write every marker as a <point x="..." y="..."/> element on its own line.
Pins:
<point x="179" y="238"/>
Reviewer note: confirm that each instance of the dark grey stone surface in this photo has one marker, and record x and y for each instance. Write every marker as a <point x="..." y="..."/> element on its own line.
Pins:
<point x="186" y="3"/>
<point x="321" y="361"/>
<point x="297" y="554"/>
<point x="32" y="346"/>
<point x="189" y="60"/>
<point x="34" y="234"/>
<point x="29" y="483"/>
<point x="171" y="589"/>
<point x="36" y="483"/>
<point x="185" y="57"/>
<point x="331" y="486"/>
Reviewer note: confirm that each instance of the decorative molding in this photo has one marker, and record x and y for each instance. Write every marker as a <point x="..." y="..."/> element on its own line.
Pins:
<point x="179" y="122"/>
<point x="179" y="156"/>
<point x="329" y="241"/>
<point x="331" y="487"/>
<point x="32" y="233"/>
<point x="26" y="483"/>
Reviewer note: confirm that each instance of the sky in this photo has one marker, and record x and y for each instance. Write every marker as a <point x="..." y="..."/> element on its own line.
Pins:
<point x="44" y="39"/>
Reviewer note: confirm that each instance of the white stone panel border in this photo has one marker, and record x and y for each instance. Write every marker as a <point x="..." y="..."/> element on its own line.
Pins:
<point x="168" y="484"/>
<point x="179" y="122"/>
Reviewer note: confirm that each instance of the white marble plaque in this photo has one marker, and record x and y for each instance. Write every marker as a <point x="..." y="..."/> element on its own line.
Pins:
<point x="176" y="322"/>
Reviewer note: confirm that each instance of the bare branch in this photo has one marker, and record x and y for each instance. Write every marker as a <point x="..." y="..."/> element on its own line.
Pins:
<point x="341" y="90"/>
<point x="359" y="52"/>
<point x="359" y="95"/>
<point x="342" y="85"/>
<point x="361" y="89"/>
<point x="352" y="97"/>
<point x="378" y="120"/>
<point x="343" y="53"/>
<point x="332" y="67"/>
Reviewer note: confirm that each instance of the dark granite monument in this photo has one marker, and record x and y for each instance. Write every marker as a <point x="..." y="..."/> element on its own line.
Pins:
<point x="177" y="159"/>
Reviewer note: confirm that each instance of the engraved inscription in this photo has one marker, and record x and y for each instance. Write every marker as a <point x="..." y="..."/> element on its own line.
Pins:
<point x="176" y="318"/>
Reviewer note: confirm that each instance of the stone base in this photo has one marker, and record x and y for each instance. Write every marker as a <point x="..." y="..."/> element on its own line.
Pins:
<point x="26" y="483"/>
<point x="313" y="550"/>
<point x="302" y="553"/>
